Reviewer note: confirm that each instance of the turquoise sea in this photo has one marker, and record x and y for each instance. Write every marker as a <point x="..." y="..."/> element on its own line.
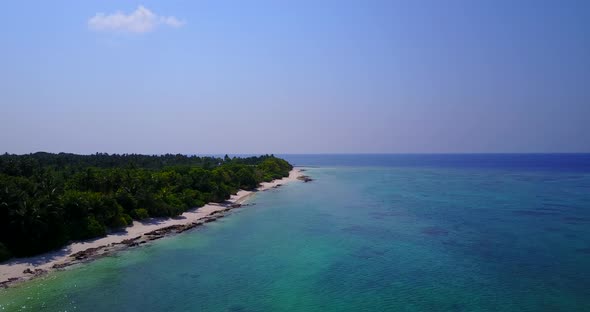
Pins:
<point x="371" y="233"/>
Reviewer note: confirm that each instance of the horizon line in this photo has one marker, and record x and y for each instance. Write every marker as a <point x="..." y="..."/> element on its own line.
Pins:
<point x="321" y="153"/>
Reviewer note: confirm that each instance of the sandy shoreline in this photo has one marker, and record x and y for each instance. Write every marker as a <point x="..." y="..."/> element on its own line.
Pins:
<point x="20" y="269"/>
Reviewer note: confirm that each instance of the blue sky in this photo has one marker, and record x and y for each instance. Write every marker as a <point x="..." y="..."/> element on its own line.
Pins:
<point x="295" y="76"/>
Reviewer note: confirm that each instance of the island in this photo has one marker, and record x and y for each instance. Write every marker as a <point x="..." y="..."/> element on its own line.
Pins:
<point x="63" y="207"/>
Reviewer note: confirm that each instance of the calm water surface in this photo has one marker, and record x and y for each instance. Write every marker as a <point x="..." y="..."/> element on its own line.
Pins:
<point x="371" y="233"/>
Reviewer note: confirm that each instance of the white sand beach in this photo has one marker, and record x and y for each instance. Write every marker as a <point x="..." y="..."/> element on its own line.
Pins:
<point x="14" y="269"/>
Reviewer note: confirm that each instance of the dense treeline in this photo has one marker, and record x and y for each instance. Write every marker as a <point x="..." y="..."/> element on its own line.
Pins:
<point x="48" y="199"/>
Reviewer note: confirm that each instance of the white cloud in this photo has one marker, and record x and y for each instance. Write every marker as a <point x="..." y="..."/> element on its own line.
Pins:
<point x="141" y="20"/>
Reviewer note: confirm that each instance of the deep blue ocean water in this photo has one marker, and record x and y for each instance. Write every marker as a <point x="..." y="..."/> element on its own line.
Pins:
<point x="371" y="233"/>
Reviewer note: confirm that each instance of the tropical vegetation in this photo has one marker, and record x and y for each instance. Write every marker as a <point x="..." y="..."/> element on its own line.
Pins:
<point x="47" y="200"/>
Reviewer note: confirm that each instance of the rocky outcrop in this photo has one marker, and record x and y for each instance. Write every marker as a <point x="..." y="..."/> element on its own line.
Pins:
<point x="85" y="254"/>
<point x="35" y="272"/>
<point x="6" y="283"/>
<point x="304" y="178"/>
<point x="61" y="265"/>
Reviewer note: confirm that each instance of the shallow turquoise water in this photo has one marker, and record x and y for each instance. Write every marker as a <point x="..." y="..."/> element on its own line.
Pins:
<point x="358" y="239"/>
